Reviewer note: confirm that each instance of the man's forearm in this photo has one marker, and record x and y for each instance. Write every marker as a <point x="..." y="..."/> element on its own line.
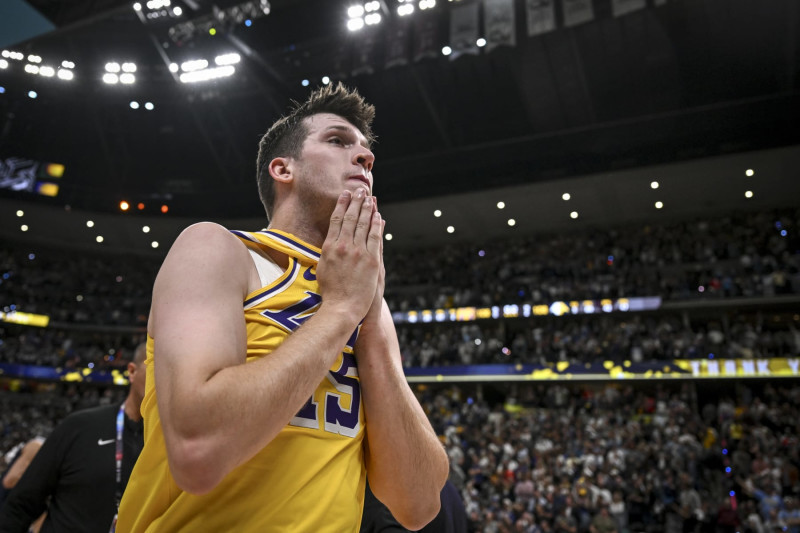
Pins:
<point x="407" y="465"/>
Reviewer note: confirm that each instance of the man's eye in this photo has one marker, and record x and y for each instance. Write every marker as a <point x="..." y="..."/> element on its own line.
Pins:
<point x="336" y="140"/>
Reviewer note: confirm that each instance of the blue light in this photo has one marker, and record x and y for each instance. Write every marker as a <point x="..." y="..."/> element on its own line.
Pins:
<point x="711" y="356"/>
<point x="783" y="233"/>
<point x="727" y="470"/>
<point x="610" y="258"/>
<point x="724" y="451"/>
<point x="2" y="89"/>
<point x="248" y="23"/>
<point x="110" y="357"/>
<point x="732" y="493"/>
<point x="32" y="94"/>
<point x="6" y="275"/>
<point x="31" y="256"/>
<point x="481" y="253"/>
<point x="778" y="224"/>
<point x="13" y="307"/>
<point x="305" y="83"/>
<point x="91" y="365"/>
<point x="469" y="401"/>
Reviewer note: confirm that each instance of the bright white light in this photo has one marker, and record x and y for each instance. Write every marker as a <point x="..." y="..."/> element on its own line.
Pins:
<point x="112" y="67"/>
<point x="137" y="6"/>
<point x="574" y="214"/>
<point x="355" y="24"/>
<point x="501" y="205"/>
<point x="99" y="238"/>
<point x="405" y="9"/>
<point x="68" y="64"/>
<point x="20" y="213"/>
<point x="127" y="78"/>
<point x="446" y="50"/>
<point x="89" y="224"/>
<point x="149" y="106"/>
<point x="355" y="11"/>
<point x="659" y="205"/>
<point x="372" y="6"/>
<point x="228" y="59"/>
<point x="129" y="67"/>
<point x="154" y="244"/>
<point x="193" y="65"/>
<point x="177" y="11"/>
<point x="208" y="74"/>
<point x="65" y="74"/>
<point x="146" y="229"/>
<point x="305" y="83"/>
<point x="388" y="236"/>
<point x="450" y="229"/>
<point x="3" y="63"/>
<point x="749" y="172"/>
<point x="437" y="213"/>
<point x="17" y="55"/>
<point x="32" y="94"/>
<point x="5" y="53"/>
<point x="372" y="19"/>
<point x="325" y="80"/>
<point x="481" y="42"/>
<point x="34" y="59"/>
<point x="565" y="196"/>
<point x="748" y="194"/>
<point x="134" y="104"/>
<point x="654" y="185"/>
<point x="31" y="69"/>
<point x="173" y="67"/>
<point x="427" y="4"/>
<point x="24" y="227"/>
<point x="47" y="72"/>
<point x="512" y="222"/>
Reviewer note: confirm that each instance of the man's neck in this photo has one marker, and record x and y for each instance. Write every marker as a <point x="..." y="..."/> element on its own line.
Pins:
<point x="132" y="410"/>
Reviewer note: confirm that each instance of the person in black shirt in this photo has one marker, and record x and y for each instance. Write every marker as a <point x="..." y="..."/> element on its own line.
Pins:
<point x="76" y="468"/>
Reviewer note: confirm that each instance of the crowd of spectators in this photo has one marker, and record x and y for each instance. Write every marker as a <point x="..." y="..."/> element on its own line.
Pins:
<point x="68" y="348"/>
<point x="586" y="339"/>
<point x="744" y="255"/>
<point x="623" y="459"/>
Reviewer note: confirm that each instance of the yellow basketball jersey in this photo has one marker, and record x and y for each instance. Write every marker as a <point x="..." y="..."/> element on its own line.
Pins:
<point x="311" y="477"/>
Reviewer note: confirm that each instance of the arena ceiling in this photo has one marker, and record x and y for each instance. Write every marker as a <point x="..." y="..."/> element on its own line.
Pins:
<point x="679" y="82"/>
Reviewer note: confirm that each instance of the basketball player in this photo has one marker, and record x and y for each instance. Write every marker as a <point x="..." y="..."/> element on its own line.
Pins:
<point x="275" y="374"/>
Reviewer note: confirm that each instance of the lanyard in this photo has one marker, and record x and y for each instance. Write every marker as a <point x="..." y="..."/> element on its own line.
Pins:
<point x="118" y="458"/>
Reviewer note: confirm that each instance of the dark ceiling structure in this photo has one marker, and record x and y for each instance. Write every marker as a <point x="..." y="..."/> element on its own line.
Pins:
<point x="675" y="81"/>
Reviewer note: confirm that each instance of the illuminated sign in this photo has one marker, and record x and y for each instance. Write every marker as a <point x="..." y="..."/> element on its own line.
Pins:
<point x="585" y="307"/>
<point x="26" y="319"/>
<point x="27" y="175"/>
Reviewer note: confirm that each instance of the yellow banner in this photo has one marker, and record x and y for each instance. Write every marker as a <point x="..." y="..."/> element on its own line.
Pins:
<point x="26" y="319"/>
<point x="741" y="368"/>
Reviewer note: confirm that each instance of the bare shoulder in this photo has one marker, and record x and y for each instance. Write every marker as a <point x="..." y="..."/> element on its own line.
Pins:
<point x="209" y="243"/>
<point x="206" y="254"/>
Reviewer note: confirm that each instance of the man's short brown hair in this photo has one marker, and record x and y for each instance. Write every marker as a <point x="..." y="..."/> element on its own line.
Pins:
<point x="286" y="136"/>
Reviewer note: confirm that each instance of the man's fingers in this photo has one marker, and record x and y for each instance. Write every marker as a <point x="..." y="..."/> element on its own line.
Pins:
<point x="351" y="216"/>
<point x="337" y="217"/>
<point x="375" y="237"/>
<point x="364" y="220"/>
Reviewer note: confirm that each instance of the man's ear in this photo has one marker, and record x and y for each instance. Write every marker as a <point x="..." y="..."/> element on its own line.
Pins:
<point x="280" y="169"/>
<point x="132" y="368"/>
